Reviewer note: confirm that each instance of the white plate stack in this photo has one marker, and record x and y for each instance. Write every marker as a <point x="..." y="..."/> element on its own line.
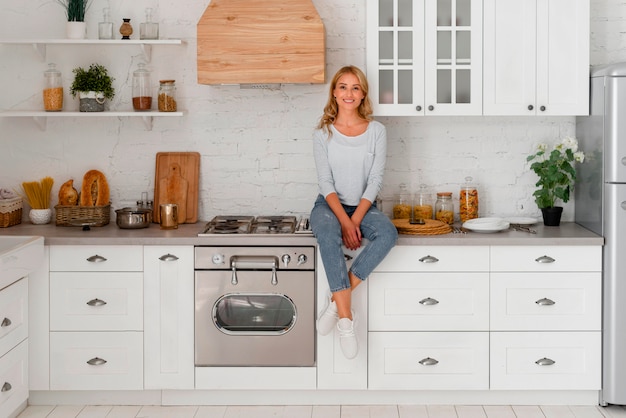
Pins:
<point x="486" y="225"/>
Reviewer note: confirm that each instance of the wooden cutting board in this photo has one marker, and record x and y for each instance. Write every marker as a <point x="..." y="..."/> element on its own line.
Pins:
<point x="176" y="181"/>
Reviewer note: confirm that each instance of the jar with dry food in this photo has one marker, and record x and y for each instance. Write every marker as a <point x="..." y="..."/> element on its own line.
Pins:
<point x="142" y="94"/>
<point x="444" y="208"/>
<point x="422" y="204"/>
<point x="53" y="89"/>
<point x="468" y="201"/>
<point x="167" y="96"/>
<point x="402" y="205"/>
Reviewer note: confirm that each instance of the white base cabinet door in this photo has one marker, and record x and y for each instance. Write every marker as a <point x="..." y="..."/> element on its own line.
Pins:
<point x="169" y="313"/>
<point x="96" y="360"/>
<point x="13" y="379"/>
<point x="429" y="360"/>
<point x="13" y="315"/>
<point x="546" y="360"/>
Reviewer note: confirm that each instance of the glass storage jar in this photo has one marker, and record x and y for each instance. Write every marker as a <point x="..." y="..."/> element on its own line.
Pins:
<point x="149" y="29"/>
<point x="105" y="28"/>
<point x="444" y="208"/>
<point x="142" y="95"/>
<point x="53" y="89"/>
<point x="468" y="201"/>
<point x="402" y="205"/>
<point x="422" y="204"/>
<point x="167" y="96"/>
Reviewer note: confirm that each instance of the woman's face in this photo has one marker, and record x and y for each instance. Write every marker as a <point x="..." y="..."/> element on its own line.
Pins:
<point x="348" y="92"/>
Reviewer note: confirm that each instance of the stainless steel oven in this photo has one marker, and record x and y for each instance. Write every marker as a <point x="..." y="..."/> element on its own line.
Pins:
<point x="254" y="305"/>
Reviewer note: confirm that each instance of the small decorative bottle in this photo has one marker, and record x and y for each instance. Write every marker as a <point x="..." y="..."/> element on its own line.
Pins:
<point x="444" y="208"/>
<point x="468" y="201"/>
<point x="105" y="28"/>
<point x="126" y="29"/>
<point x="149" y="29"/>
<point x="142" y="94"/>
<point x="53" y="89"/>
<point x="167" y="96"/>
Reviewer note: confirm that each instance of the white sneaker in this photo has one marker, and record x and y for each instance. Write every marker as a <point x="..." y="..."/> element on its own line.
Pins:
<point x="327" y="319"/>
<point x="347" y="338"/>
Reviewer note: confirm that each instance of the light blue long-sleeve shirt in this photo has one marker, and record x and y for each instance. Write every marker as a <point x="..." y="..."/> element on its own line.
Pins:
<point x="351" y="166"/>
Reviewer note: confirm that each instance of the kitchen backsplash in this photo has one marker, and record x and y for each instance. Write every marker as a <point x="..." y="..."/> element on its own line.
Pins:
<point x="255" y="144"/>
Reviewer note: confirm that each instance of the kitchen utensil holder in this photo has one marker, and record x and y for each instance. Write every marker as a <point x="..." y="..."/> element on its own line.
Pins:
<point x="73" y="215"/>
<point x="10" y="212"/>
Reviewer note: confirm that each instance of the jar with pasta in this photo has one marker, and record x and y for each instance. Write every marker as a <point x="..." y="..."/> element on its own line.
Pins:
<point x="468" y="201"/>
<point x="53" y="89"/>
<point x="422" y="204"/>
<point x="402" y="205"/>
<point x="167" y="96"/>
<point x="444" y="208"/>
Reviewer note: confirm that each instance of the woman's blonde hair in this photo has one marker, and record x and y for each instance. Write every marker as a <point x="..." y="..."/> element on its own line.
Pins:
<point x="330" y="110"/>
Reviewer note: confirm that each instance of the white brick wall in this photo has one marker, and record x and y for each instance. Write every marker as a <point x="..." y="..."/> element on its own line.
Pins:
<point x="255" y="144"/>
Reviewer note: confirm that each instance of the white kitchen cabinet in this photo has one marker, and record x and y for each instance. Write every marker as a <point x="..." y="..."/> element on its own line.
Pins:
<point x="425" y="57"/>
<point x="546" y="315"/>
<point x="14" y="380"/>
<point x="169" y="313"/>
<point x="40" y="46"/>
<point x="536" y="57"/>
<point x="13" y="315"/>
<point x="96" y="317"/>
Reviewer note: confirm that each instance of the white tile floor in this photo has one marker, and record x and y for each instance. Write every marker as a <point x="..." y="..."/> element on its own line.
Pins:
<point x="385" y="411"/>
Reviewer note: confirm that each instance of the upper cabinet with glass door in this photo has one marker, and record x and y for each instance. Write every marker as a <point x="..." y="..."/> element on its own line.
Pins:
<point x="424" y="57"/>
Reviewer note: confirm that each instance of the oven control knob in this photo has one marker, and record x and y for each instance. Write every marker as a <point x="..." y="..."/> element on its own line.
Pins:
<point x="218" y="259"/>
<point x="301" y="259"/>
<point x="286" y="259"/>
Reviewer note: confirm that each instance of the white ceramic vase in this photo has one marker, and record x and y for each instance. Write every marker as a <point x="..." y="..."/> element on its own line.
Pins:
<point x="76" y="30"/>
<point x="40" y="216"/>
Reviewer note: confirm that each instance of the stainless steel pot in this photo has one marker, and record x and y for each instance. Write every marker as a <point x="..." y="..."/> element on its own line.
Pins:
<point x="133" y="218"/>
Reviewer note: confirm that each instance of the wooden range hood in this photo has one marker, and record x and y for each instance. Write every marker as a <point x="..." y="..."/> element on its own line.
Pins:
<point x="261" y="42"/>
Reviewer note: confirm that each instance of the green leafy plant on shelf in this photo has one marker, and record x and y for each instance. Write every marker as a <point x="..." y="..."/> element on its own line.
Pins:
<point x="96" y="78"/>
<point x="75" y="9"/>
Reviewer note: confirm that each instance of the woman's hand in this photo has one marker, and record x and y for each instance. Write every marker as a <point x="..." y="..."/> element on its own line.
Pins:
<point x="351" y="234"/>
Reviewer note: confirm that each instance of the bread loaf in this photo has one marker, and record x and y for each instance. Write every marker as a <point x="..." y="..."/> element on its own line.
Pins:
<point x="68" y="195"/>
<point x="94" y="190"/>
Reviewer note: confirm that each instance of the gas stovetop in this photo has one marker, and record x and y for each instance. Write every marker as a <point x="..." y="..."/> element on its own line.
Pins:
<point x="271" y="225"/>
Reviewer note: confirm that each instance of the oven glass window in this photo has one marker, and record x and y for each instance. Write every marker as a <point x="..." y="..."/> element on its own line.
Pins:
<point x="254" y="313"/>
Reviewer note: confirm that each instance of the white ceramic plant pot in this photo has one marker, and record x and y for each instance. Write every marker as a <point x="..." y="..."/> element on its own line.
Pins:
<point x="40" y="216"/>
<point x="76" y="30"/>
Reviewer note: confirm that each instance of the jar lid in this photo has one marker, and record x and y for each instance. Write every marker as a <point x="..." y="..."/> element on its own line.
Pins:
<point x="52" y="70"/>
<point x="167" y="81"/>
<point x="445" y="194"/>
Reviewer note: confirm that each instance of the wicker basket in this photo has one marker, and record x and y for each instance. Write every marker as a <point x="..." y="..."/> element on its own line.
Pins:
<point x="82" y="215"/>
<point x="10" y="212"/>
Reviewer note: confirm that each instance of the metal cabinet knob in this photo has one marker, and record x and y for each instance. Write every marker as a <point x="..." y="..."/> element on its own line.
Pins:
<point x="96" y="302"/>
<point x="96" y="259"/>
<point x="545" y="362"/>
<point x="531" y="107"/>
<point x="5" y="322"/>
<point x="428" y="301"/>
<point x="6" y="387"/>
<point x="168" y="257"/>
<point x="428" y="361"/>
<point x="542" y="108"/>
<point x="428" y="259"/>
<point x="418" y="108"/>
<point x="431" y="108"/>
<point x="96" y="361"/>
<point x="544" y="259"/>
<point x="545" y="302"/>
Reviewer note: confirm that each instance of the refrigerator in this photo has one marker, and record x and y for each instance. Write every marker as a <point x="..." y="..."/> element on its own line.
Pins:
<point x="600" y="206"/>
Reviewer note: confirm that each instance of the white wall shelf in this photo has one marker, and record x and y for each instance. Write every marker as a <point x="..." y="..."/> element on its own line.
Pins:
<point x="40" y="45"/>
<point x="41" y="117"/>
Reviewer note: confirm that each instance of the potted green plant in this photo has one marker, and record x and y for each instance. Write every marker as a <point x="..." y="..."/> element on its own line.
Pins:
<point x="75" y="11"/>
<point x="557" y="176"/>
<point x="93" y="87"/>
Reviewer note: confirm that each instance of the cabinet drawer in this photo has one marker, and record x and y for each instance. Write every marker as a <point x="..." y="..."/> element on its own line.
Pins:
<point x="96" y="301"/>
<point x="428" y="360"/>
<point x="13" y="379"/>
<point x="546" y="258"/>
<point x="436" y="258"/>
<point x="544" y="361"/>
<point x="96" y="258"/>
<point x="116" y="360"/>
<point x="546" y="301"/>
<point x="429" y="302"/>
<point x="13" y="315"/>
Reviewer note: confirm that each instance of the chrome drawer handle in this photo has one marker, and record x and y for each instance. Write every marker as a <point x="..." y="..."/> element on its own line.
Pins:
<point x="96" y="361"/>
<point x="96" y="302"/>
<point x="428" y="259"/>
<point x="6" y="387"/>
<point x="428" y="361"/>
<point x="96" y="259"/>
<point x="545" y="362"/>
<point x="545" y="302"/>
<point x="5" y="322"/>
<point x="545" y="259"/>
<point x="168" y="257"/>
<point x="428" y="301"/>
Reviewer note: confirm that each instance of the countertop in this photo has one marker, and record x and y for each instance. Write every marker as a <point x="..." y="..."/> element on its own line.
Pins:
<point x="568" y="233"/>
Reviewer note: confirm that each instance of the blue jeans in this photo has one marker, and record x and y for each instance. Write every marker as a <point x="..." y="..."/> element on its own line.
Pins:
<point x="375" y="227"/>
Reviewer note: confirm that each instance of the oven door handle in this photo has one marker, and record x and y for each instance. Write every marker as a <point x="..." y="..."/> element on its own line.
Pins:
<point x="253" y="262"/>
